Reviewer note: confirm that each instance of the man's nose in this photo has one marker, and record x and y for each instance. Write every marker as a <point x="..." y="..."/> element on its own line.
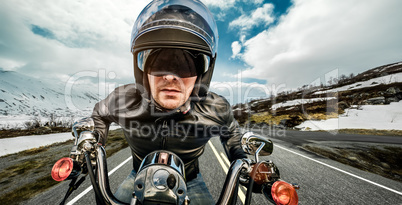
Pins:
<point x="169" y="77"/>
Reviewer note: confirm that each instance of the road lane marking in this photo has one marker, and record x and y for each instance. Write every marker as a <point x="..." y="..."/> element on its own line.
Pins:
<point x="220" y="160"/>
<point x="225" y="159"/>
<point x="79" y="196"/>
<point x="340" y="170"/>
<point x="225" y="169"/>
<point x="120" y="165"/>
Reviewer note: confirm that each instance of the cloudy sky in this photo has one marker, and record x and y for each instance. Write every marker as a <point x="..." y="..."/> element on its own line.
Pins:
<point x="264" y="45"/>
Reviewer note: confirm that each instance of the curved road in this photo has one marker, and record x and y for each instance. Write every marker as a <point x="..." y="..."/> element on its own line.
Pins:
<point x="322" y="180"/>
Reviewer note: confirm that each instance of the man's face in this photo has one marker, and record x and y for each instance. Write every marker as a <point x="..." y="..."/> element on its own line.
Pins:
<point x="171" y="75"/>
<point x="170" y="91"/>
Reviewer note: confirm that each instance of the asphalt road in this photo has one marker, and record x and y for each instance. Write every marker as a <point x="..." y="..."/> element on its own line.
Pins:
<point x="322" y="180"/>
<point x="298" y="138"/>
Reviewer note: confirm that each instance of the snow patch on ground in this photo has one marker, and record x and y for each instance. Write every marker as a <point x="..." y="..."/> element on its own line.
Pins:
<point x="388" y="79"/>
<point x="380" y="117"/>
<point x="299" y="102"/>
<point x="18" y="121"/>
<point x="18" y="144"/>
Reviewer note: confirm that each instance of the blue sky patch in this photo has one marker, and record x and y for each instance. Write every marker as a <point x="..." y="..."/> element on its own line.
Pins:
<point x="225" y="63"/>
<point x="44" y="32"/>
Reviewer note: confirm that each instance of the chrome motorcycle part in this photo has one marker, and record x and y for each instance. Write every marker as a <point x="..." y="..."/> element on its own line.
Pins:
<point x="95" y="185"/>
<point x="229" y="190"/>
<point x="84" y="124"/>
<point x="160" y="179"/>
<point x="186" y="201"/>
<point x="133" y="200"/>
<point x="256" y="145"/>
<point x="295" y="186"/>
<point x="245" y="172"/>
<point x="103" y="177"/>
<point x="85" y="143"/>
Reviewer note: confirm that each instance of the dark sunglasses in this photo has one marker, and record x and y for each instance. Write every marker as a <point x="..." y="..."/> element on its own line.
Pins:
<point x="179" y="62"/>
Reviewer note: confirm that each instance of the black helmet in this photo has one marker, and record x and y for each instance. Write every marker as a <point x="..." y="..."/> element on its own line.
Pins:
<point x="176" y="24"/>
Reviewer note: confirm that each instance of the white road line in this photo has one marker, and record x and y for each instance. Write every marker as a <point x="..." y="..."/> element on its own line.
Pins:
<point x="120" y="165"/>
<point x="225" y="169"/>
<point x="340" y="170"/>
<point x="79" y="196"/>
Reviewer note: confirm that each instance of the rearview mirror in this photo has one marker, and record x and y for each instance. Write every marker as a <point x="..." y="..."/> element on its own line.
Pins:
<point x="253" y="144"/>
<point x="84" y="124"/>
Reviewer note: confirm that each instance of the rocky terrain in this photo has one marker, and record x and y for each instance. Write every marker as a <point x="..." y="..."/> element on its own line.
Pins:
<point x="377" y="86"/>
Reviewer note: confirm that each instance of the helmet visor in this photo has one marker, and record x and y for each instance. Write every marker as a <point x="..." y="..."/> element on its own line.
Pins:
<point x="180" y="62"/>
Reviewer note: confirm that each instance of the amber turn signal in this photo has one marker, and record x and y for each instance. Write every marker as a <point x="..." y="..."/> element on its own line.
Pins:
<point x="284" y="193"/>
<point x="62" y="169"/>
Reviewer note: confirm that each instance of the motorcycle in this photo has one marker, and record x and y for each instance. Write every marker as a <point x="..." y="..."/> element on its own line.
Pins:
<point x="161" y="176"/>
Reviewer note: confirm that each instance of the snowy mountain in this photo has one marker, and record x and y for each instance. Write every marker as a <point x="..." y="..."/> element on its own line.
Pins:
<point x="26" y="97"/>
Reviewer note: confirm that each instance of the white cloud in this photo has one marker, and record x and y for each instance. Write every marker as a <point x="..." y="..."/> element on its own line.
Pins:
<point x="236" y="48"/>
<point x="86" y="35"/>
<point x="316" y="37"/>
<point x="238" y="92"/>
<point x="226" y="4"/>
<point x="8" y="64"/>
<point x="257" y="1"/>
<point x="260" y="15"/>
<point x="222" y="4"/>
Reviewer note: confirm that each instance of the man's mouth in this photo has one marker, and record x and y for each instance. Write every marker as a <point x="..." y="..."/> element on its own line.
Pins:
<point x="170" y="90"/>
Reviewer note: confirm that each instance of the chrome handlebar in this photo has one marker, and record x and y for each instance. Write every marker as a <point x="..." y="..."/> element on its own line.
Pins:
<point x="104" y="179"/>
<point x="230" y="187"/>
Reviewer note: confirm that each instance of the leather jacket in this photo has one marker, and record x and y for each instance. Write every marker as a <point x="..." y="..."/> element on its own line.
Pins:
<point x="184" y="131"/>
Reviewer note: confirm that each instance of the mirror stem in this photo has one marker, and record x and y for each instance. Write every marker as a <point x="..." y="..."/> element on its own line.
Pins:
<point x="258" y="151"/>
<point x="76" y="136"/>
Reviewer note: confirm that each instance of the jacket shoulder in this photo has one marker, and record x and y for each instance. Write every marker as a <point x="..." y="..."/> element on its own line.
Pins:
<point x="121" y="98"/>
<point x="215" y="108"/>
<point x="128" y="89"/>
<point x="216" y="100"/>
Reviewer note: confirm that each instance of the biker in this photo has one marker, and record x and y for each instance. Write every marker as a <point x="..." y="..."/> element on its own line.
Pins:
<point x="174" y="44"/>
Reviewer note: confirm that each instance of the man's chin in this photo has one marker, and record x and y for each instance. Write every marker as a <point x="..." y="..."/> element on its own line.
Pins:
<point x="170" y="104"/>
